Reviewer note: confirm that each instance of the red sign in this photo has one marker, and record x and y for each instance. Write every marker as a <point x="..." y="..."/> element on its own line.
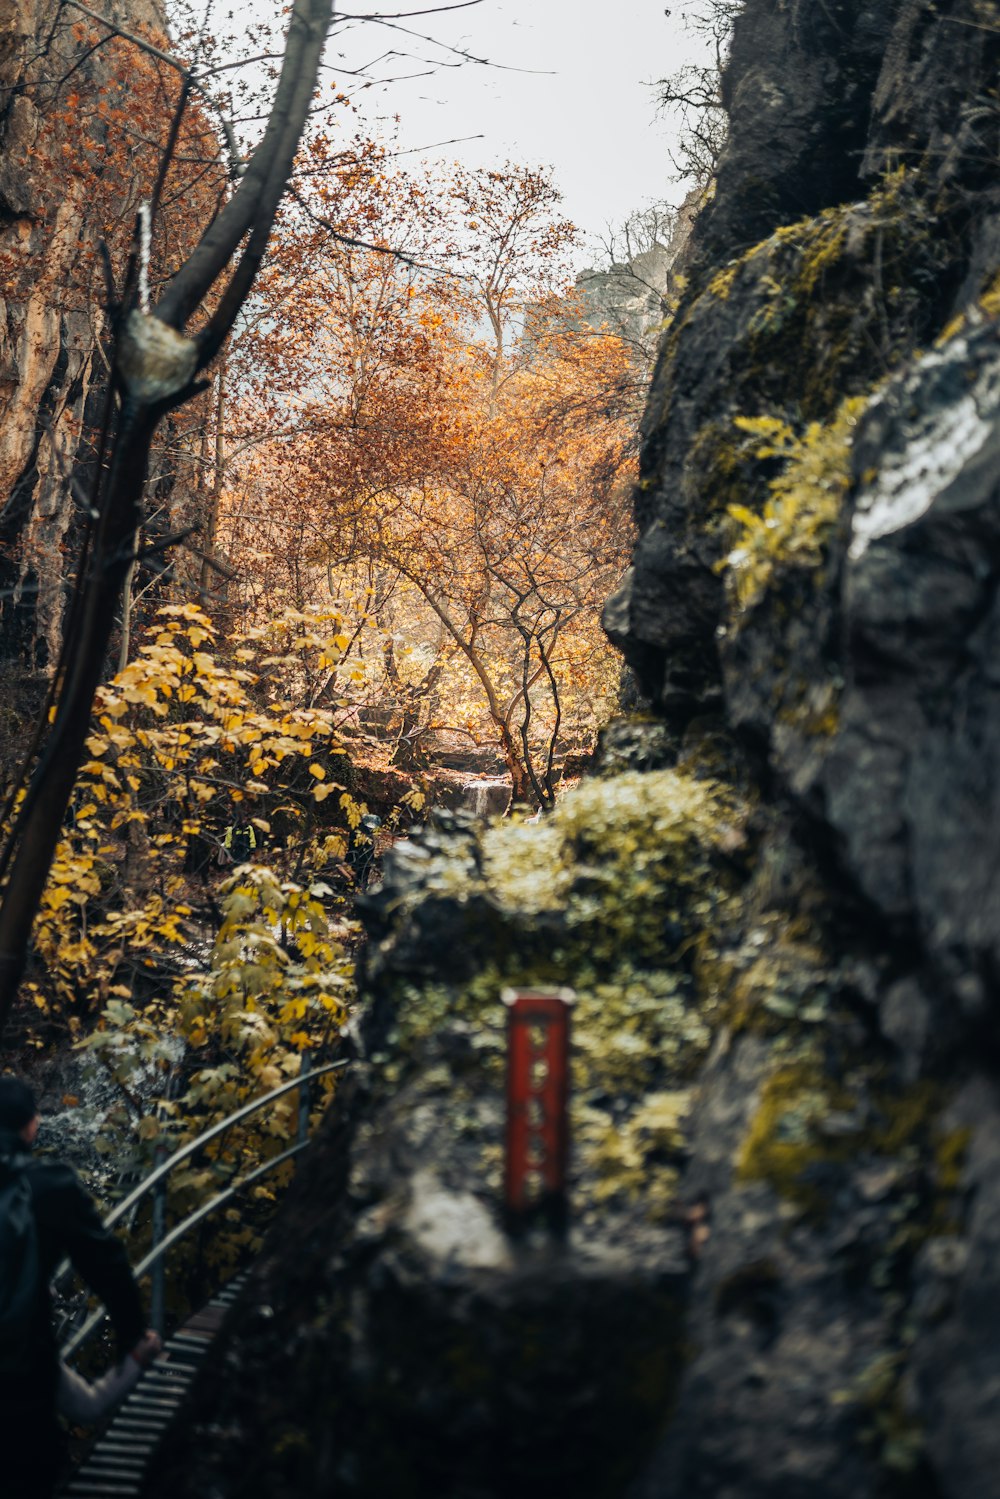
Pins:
<point x="537" y="1153"/>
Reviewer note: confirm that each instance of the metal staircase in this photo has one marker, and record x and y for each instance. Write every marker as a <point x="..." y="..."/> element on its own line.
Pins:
<point x="116" y="1464"/>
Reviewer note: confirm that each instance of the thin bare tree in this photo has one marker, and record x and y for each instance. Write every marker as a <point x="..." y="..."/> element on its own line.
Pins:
<point x="694" y="94"/>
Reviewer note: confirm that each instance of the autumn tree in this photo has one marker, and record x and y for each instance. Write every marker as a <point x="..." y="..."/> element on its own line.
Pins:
<point x="514" y="242"/>
<point x="480" y="472"/>
<point x="510" y="539"/>
<point x="191" y="726"/>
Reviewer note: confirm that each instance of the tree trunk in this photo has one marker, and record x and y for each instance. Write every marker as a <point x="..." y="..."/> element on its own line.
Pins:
<point x="522" y="794"/>
<point x="218" y="475"/>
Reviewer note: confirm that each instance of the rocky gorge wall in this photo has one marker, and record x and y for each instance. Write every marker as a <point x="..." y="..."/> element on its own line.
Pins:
<point x="776" y="898"/>
<point x="80" y="115"/>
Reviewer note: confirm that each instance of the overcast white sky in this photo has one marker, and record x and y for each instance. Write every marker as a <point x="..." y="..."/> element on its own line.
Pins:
<point x="570" y="91"/>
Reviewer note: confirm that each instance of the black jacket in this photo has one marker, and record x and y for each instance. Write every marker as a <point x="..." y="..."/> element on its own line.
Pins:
<point x="68" y="1224"/>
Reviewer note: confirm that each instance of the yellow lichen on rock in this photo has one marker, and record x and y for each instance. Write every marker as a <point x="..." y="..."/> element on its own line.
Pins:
<point x="804" y="504"/>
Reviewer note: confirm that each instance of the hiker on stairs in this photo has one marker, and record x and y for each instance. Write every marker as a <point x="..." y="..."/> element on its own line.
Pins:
<point x="45" y="1214"/>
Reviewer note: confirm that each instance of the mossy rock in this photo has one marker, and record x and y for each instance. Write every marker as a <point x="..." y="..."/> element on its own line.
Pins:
<point x="620" y="893"/>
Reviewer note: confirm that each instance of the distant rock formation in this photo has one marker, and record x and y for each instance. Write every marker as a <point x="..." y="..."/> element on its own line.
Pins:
<point x="631" y="296"/>
<point x="628" y="298"/>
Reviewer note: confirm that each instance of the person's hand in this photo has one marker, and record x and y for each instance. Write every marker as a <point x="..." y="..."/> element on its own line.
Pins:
<point x="148" y="1346"/>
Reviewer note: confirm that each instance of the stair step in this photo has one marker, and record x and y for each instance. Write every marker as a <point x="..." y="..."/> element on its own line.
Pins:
<point x="119" y="1460"/>
<point x="152" y="1408"/>
<point x="123" y="1446"/>
<point x="116" y="1470"/>
<point x="103" y="1487"/>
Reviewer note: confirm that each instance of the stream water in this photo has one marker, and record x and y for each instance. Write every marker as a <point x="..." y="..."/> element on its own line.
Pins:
<point x="487" y="796"/>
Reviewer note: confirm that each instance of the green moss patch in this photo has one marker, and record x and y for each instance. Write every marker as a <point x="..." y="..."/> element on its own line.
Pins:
<point x="784" y="1140"/>
<point x="622" y="860"/>
<point x="805" y="320"/>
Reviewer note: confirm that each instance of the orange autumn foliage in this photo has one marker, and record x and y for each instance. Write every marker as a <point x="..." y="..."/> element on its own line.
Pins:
<point x="461" y="439"/>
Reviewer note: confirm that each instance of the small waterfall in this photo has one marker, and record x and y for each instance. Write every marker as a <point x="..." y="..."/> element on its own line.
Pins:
<point x="145" y="246"/>
<point x="487" y="796"/>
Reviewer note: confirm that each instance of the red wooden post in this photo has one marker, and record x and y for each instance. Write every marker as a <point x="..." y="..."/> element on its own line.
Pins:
<point x="537" y="1151"/>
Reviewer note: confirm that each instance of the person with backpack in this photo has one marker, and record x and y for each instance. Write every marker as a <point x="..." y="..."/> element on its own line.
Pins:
<point x="240" y="838"/>
<point x="363" y="849"/>
<point x="46" y="1214"/>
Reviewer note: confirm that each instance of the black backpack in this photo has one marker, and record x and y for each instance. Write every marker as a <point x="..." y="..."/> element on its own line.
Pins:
<point x="239" y="845"/>
<point x="20" y="1270"/>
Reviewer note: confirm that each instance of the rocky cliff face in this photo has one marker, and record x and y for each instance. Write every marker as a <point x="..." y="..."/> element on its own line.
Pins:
<point x="66" y="182"/>
<point x="777" y="901"/>
<point x="816" y="569"/>
<point x="47" y="351"/>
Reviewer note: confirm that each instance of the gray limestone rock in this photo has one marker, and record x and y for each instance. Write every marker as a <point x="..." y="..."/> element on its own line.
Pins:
<point x="956" y="1370"/>
<point x="913" y="769"/>
<point x="778" y="1339"/>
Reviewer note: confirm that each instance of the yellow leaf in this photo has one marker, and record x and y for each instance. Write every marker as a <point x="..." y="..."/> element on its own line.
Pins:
<point x="317" y="771"/>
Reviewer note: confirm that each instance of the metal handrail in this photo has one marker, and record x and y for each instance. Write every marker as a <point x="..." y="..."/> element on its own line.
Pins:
<point x="178" y="1232"/>
<point x="207" y="1208"/>
<point x="159" y="1172"/>
<point x="156" y="1182"/>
